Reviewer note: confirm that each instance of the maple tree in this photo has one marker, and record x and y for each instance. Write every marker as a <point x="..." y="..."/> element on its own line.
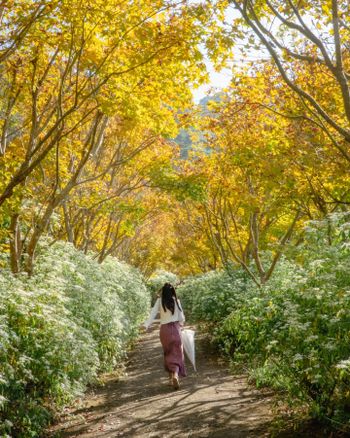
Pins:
<point x="298" y="36"/>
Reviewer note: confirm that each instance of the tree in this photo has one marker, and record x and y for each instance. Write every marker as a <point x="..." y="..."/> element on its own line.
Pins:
<point x="308" y="34"/>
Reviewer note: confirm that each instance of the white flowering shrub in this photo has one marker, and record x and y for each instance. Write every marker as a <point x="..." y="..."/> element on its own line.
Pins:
<point x="294" y="333"/>
<point x="158" y="279"/>
<point x="59" y="328"/>
<point x="212" y="296"/>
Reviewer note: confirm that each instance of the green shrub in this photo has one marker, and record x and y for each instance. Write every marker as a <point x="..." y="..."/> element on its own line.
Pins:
<point x="157" y="281"/>
<point x="294" y="333"/>
<point x="59" y="328"/>
<point x="212" y="296"/>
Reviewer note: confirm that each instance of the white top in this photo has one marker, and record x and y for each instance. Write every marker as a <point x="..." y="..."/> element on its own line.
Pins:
<point x="165" y="317"/>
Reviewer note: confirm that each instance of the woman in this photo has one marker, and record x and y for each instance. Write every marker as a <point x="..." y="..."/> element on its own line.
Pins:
<point x="171" y="316"/>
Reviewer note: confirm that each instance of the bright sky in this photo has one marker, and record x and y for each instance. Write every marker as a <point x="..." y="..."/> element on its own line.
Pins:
<point x="218" y="81"/>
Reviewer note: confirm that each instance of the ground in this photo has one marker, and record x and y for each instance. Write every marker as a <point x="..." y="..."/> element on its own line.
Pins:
<point x="209" y="403"/>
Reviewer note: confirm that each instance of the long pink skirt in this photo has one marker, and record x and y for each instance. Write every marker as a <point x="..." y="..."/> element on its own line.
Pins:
<point x="170" y="337"/>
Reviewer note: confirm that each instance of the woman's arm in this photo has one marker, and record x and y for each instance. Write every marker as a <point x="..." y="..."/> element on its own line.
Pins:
<point x="153" y="314"/>
<point x="181" y="313"/>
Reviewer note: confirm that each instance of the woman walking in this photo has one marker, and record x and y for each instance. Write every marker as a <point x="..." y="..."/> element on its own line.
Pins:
<point x="171" y="319"/>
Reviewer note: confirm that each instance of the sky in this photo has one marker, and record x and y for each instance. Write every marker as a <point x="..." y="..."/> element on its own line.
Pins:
<point x="218" y="81"/>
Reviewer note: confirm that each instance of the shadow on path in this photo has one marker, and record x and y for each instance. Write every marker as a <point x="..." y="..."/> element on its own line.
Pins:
<point x="210" y="403"/>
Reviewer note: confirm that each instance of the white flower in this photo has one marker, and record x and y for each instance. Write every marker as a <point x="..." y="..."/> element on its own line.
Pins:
<point x="297" y="357"/>
<point x="343" y="364"/>
<point x="311" y="338"/>
<point x="3" y="400"/>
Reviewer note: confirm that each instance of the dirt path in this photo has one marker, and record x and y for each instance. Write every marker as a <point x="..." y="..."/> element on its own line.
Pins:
<point x="211" y="403"/>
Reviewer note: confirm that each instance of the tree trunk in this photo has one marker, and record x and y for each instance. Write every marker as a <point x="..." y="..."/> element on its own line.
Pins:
<point x="15" y="244"/>
<point x="67" y="223"/>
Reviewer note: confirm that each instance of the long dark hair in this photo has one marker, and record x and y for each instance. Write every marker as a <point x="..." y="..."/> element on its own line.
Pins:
<point x="169" y="298"/>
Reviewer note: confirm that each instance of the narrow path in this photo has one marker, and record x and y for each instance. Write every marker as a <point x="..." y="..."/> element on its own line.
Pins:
<point x="211" y="403"/>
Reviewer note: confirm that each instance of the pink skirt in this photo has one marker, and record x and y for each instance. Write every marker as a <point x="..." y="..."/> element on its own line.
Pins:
<point x="170" y="337"/>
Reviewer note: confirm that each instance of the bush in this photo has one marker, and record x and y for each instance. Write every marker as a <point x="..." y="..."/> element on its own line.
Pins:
<point x="59" y="328"/>
<point x="294" y="333"/>
<point x="157" y="281"/>
<point x="212" y="296"/>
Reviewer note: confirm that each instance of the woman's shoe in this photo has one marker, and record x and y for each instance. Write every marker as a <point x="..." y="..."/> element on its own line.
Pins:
<point x="176" y="383"/>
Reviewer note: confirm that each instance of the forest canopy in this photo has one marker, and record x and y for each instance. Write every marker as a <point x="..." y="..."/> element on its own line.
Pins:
<point x="94" y="94"/>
